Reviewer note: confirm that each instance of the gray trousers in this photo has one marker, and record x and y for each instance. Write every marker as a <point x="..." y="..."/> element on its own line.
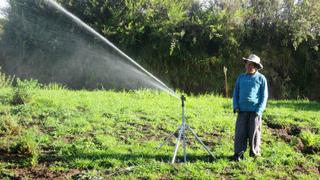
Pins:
<point x="248" y="127"/>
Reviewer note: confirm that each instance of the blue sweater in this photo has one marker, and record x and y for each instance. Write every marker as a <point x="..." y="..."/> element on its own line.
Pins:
<point x="250" y="93"/>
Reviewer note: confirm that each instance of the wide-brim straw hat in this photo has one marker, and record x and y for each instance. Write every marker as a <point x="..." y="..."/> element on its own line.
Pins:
<point x="255" y="59"/>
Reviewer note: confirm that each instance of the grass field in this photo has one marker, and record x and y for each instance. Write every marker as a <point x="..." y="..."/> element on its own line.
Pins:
<point x="58" y="133"/>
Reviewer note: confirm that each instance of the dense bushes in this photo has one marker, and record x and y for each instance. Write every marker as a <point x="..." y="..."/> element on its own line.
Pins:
<point x="185" y="43"/>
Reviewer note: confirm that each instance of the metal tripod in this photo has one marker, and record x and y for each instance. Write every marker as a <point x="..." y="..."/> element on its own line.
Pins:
<point x="182" y="128"/>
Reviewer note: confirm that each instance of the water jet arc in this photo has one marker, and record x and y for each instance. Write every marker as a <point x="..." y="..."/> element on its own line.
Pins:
<point x="90" y="29"/>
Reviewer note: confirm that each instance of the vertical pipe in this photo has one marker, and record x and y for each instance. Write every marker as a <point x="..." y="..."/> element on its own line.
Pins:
<point x="226" y="81"/>
<point x="184" y="129"/>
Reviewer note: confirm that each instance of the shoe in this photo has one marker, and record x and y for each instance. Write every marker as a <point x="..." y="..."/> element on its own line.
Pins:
<point x="238" y="156"/>
<point x="252" y="154"/>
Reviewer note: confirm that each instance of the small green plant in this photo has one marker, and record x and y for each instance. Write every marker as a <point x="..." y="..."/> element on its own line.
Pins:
<point x="55" y="86"/>
<point x="26" y="144"/>
<point x="310" y="140"/>
<point x="5" y="80"/>
<point x="8" y="125"/>
<point x="23" y="91"/>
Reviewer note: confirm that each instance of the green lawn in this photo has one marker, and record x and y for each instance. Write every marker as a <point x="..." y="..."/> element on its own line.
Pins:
<point x="104" y="134"/>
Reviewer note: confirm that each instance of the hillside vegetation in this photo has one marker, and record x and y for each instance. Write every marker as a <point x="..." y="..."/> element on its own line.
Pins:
<point x="187" y="43"/>
<point x="52" y="132"/>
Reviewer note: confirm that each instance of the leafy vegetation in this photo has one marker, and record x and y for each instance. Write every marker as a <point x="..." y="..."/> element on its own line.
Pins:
<point x="198" y="38"/>
<point x="62" y="133"/>
<point x="22" y="92"/>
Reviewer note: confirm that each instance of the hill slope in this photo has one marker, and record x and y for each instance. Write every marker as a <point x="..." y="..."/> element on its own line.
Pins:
<point x="103" y="134"/>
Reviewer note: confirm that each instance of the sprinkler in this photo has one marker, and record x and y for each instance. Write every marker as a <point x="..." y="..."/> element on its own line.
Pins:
<point x="182" y="129"/>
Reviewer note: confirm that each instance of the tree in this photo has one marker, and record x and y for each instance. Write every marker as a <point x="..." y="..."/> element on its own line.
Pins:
<point x="185" y="42"/>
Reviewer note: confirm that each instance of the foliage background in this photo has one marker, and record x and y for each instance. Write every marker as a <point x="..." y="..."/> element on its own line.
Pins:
<point x="184" y="42"/>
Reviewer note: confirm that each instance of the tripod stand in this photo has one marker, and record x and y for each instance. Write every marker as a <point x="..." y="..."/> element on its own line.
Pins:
<point x="182" y="128"/>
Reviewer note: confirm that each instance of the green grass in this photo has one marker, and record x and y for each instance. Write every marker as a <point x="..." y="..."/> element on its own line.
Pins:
<point x="60" y="133"/>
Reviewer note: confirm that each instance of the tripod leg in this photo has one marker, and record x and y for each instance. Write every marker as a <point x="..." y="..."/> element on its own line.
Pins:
<point x="184" y="145"/>
<point x="199" y="140"/>
<point x="167" y="139"/>
<point x="177" y="145"/>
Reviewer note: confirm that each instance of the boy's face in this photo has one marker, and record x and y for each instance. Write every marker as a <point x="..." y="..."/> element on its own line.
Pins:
<point x="250" y="67"/>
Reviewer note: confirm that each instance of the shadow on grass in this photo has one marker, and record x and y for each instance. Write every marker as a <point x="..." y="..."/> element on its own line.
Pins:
<point x="106" y="158"/>
<point x="132" y="158"/>
<point x="17" y="159"/>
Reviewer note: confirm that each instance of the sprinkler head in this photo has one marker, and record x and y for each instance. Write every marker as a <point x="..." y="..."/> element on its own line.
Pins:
<point x="182" y="100"/>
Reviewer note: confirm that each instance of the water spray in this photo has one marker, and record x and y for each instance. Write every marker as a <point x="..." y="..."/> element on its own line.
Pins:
<point x="182" y="129"/>
<point x="91" y="30"/>
<point x="158" y="84"/>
